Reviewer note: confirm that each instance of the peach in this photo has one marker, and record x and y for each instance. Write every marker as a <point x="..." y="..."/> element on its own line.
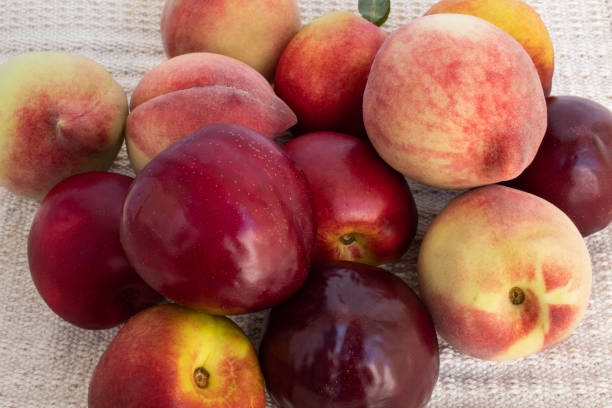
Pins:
<point x="323" y="72"/>
<point x="453" y="101"/>
<point x="198" y="69"/>
<point x="60" y="114"/>
<point x="255" y="32"/>
<point x="504" y="273"/>
<point x="171" y="356"/>
<point x="517" y="19"/>
<point x="186" y="93"/>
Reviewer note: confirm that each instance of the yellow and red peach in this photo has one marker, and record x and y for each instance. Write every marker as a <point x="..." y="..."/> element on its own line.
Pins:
<point x="323" y="72"/>
<point x="170" y="356"/>
<point x="453" y="101"/>
<point x="186" y="93"/>
<point x="504" y="273"/>
<point x="516" y="18"/>
<point x="60" y="114"/>
<point x="255" y="32"/>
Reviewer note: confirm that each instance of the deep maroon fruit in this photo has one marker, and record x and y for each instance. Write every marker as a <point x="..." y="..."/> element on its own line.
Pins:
<point x="573" y="167"/>
<point x="353" y="336"/>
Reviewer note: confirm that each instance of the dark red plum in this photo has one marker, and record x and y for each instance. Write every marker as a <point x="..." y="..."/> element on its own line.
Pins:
<point x="75" y="257"/>
<point x="365" y="209"/>
<point x="573" y="167"/>
<point x="354" y="336"/>
<point x="221" y="221"/>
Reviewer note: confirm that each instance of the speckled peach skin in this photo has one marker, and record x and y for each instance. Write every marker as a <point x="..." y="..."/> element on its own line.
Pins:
<point x="485" y="243"/>
<point x="516" y="18"/>
<point x="453" y="101"/>
<point x="255" y="32"/>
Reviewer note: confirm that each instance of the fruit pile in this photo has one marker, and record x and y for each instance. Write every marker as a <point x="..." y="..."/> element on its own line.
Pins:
<point x="288" y="197"/>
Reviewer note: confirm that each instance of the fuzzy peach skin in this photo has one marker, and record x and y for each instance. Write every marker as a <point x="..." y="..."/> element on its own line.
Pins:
<point x="191" y="91"/>
<point x="60" y="114"/>
<point x="504" y="273"/>
<point x="323" y="72"/>
<point x="171" y="356"/>
<point x="255" y="32"/>
<point x="517" y="19"/>
<point x="199" y="69"/>
<point x="453" y="101"/>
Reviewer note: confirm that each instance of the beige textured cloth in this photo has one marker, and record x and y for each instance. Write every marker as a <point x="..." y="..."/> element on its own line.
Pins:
<point x="45" y="362"/>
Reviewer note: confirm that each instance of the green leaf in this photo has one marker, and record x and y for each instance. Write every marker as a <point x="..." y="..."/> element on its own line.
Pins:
<point x="375" y="11"/>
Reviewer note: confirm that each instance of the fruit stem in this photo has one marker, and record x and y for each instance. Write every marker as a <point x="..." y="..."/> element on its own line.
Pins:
<point x="517" y="296"/>
<point x="347" y="239"/>
<point x="200" y="376"/>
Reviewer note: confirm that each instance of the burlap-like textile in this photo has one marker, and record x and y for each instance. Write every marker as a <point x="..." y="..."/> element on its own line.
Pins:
<point x="45" y="362"/>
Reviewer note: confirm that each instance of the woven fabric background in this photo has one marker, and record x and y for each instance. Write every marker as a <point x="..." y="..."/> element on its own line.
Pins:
<point x="45" y="362"/>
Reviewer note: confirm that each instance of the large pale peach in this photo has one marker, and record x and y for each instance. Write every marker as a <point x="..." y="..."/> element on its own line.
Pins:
<point x="255" y="32"/>
<point x="323" y="72"/>
<point x="60" y="114"/>
<point x="191" y="91"/>
<point x="454" y="102"/>
<point x="504" y="273"/>
<point x="516" y="18"/>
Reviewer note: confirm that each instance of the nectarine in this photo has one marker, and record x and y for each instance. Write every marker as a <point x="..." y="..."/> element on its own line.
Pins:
<point x="322" y="72"/>
<point x="221" y="221"/>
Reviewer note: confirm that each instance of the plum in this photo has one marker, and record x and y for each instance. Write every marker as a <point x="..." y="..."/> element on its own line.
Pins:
<point x="573" y="166"/>
<point x="353" y="336"/>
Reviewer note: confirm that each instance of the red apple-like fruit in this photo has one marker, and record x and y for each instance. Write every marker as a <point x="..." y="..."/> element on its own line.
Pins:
<point x="365" y="209"/>
<point x="75" y="257"/>
<point x="170" y="356"/>
<point x="353" y="336"/>
<point x="573" y="167"/>
<point x="221" y="221"/>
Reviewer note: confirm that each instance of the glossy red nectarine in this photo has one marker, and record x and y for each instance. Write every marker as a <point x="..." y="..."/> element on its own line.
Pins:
<point x="75" y="257"/>
<point x="221" y="221"/>
<point x="365" y="209"/>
